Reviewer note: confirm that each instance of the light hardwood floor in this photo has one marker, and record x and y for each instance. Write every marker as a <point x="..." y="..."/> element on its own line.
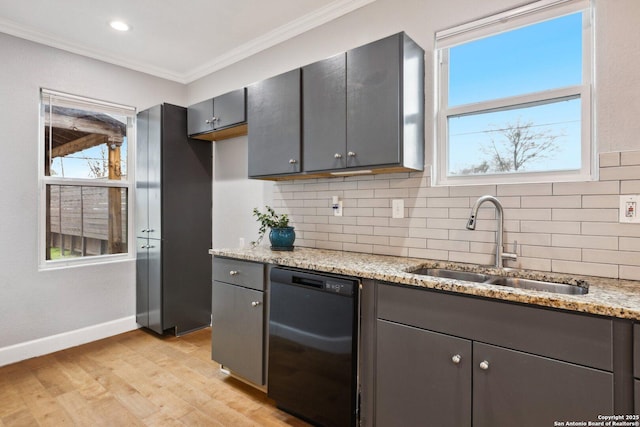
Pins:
<point x="133" y="379"/>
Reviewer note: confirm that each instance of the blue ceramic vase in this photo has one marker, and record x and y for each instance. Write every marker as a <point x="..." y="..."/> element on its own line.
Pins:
<point x="282" y="238"/>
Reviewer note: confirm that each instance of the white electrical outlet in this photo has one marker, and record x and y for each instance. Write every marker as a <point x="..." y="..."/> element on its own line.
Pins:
<point x="398" y="208"/>
<point x="629" y="208"/>
<point x="337" y="209"/>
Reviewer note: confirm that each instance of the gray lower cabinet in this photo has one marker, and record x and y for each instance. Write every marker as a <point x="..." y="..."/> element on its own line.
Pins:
<point x="417" y="382"/>
<point x="451" y="360"/>
<point x="274" y="117"/>
<point x="217" y="113"/>
<point x="238" y="318"/>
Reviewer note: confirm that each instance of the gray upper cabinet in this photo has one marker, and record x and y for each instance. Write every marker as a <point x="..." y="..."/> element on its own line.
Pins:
<point x="324" y="85"/>
<point x="385" y="104"/>
<point x="207" y="118"/>
<point x="274" y="117"/>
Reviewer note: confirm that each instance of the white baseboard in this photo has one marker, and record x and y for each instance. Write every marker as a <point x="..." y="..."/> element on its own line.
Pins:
<point x="46" y="345"/>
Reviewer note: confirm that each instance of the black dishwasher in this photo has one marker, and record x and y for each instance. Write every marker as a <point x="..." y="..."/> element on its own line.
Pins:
<point x="313" y="346"/>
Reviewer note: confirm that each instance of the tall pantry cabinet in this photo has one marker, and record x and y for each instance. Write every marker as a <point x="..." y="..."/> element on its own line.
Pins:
<point x="173" y="223"/>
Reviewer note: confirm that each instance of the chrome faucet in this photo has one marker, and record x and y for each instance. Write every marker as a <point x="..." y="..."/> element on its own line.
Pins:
<point x="471" y="225"/>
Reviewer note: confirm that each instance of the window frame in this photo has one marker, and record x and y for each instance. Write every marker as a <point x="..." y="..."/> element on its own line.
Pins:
<point x="45" y="181"/>
<point x="512" y="19"/>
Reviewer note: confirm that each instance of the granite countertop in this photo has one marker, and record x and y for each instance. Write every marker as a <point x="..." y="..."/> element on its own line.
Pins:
<point x="606" y="297"/>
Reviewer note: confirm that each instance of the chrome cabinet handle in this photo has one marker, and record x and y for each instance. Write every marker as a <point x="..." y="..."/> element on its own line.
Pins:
<point x="150" y="230"/>
<point x="144" y="230"/>
<point x="337" y="156"/>
<point x="456" y="358"/>
<point x="144" y="247"/>
<point x="484" y="365"/>
<point x="234" y="272"/>
<point x="213" y="120"/>
<point x="292" y="161"/>
<point x="255" y="303"/>
<point x="351" y="154"/>
<point x="150" y="246"/>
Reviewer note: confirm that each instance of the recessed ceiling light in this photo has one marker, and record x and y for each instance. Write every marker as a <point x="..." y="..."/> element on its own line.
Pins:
<point x="119" y="25"/>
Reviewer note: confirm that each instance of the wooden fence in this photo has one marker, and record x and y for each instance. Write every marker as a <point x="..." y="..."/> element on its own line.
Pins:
<point x="79" y="219"/>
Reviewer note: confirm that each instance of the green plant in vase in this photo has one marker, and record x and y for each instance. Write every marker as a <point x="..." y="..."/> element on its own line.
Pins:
<point x="281" y="236"/>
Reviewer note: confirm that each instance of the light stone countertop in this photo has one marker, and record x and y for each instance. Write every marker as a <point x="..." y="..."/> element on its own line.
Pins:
<point x="606" y="297"/>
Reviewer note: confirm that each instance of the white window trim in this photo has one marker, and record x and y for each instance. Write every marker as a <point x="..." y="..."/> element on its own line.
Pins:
<point x="43" y="181"/>
<point x="505" y="21"/>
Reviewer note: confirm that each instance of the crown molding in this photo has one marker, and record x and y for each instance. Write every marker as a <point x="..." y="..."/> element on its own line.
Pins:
<point x="270" y="39"/>
<point x="294" y="28"/>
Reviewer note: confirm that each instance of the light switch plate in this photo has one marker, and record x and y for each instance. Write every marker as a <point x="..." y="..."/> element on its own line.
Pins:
<point x="398" y="208"/>
<point x="629" y="208"/>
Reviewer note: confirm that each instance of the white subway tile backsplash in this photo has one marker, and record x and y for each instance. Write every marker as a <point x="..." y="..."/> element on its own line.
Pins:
<point x="629" y="272"/>
<point x="567" y="227"/>
<point x="472" y="191"/>
<point x="599" y="215"/>
<point x="630" y="158"/>
<point x="619" y="173"/>
<point x="569" y="254"/>
<point x="537" y="202"/>
<point x="408" y="242"/>
<point x="611" y="257"/>
<point x="544" y="189"/>
<point x="391" y="231"/>
<point x="375" y="240"/>
<point x="536" y="239"/>
<point x="429" y="233"/>
<point x="586" y="268"/>
<point x="552" y="227"/>
<point x="373" y="184"/>
<point x="590" y="242"/>
<point x="609" y="159"/>
<point x="357" y="247"/>
<point x="451" y="245"/>
<point x="592" y="187"/>
<point x="630" y="244"/>
<point x="540" y="264"/>
<point x="630" y="187"/>
<point x="601" y="201"/>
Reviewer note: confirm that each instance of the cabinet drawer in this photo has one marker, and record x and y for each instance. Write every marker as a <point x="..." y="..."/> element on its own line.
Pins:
<point x="236" y="272"/>
<point x="581" y="339"/>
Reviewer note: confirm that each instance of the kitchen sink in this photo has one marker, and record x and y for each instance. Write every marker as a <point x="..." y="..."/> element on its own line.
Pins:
<point x="512" y="282"/>
<point x="453" y="274"/>
<point x="537" y="285"/>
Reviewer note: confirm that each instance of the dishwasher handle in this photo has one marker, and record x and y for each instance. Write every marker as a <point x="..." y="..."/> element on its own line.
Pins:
<point x="306" y="281"/>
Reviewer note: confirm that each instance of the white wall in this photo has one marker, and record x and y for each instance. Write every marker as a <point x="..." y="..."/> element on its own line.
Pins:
<point x="39" y="304"/>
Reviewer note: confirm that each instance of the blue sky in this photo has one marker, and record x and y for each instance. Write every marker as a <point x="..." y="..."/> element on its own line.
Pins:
<point x="547" y="55"/>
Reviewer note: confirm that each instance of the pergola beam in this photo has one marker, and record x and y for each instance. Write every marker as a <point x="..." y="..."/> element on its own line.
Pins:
<point x="79" y="144"/>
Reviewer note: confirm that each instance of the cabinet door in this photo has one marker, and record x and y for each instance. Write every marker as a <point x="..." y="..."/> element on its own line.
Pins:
<point x="142" y="175"/>
<point x="373" y="103"/>
<point x="154" y="172"/>
<point x="230" y="109"/>
<point x="418" y="383"/>
<point x="237" y="331"/>
<point x="199" y="117"/>
<point x="273" y="114"/>
<point x="149" y="284"/>
<point x="323" y="114"/>
<point x="521" y="389"/>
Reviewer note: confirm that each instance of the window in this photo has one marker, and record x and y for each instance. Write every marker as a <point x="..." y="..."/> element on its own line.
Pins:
<point x="514" y="97"/>
<point x="84" y="177"/>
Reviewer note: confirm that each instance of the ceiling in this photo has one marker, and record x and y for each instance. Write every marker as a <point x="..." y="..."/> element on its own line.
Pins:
<point x="180" y="40"/>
